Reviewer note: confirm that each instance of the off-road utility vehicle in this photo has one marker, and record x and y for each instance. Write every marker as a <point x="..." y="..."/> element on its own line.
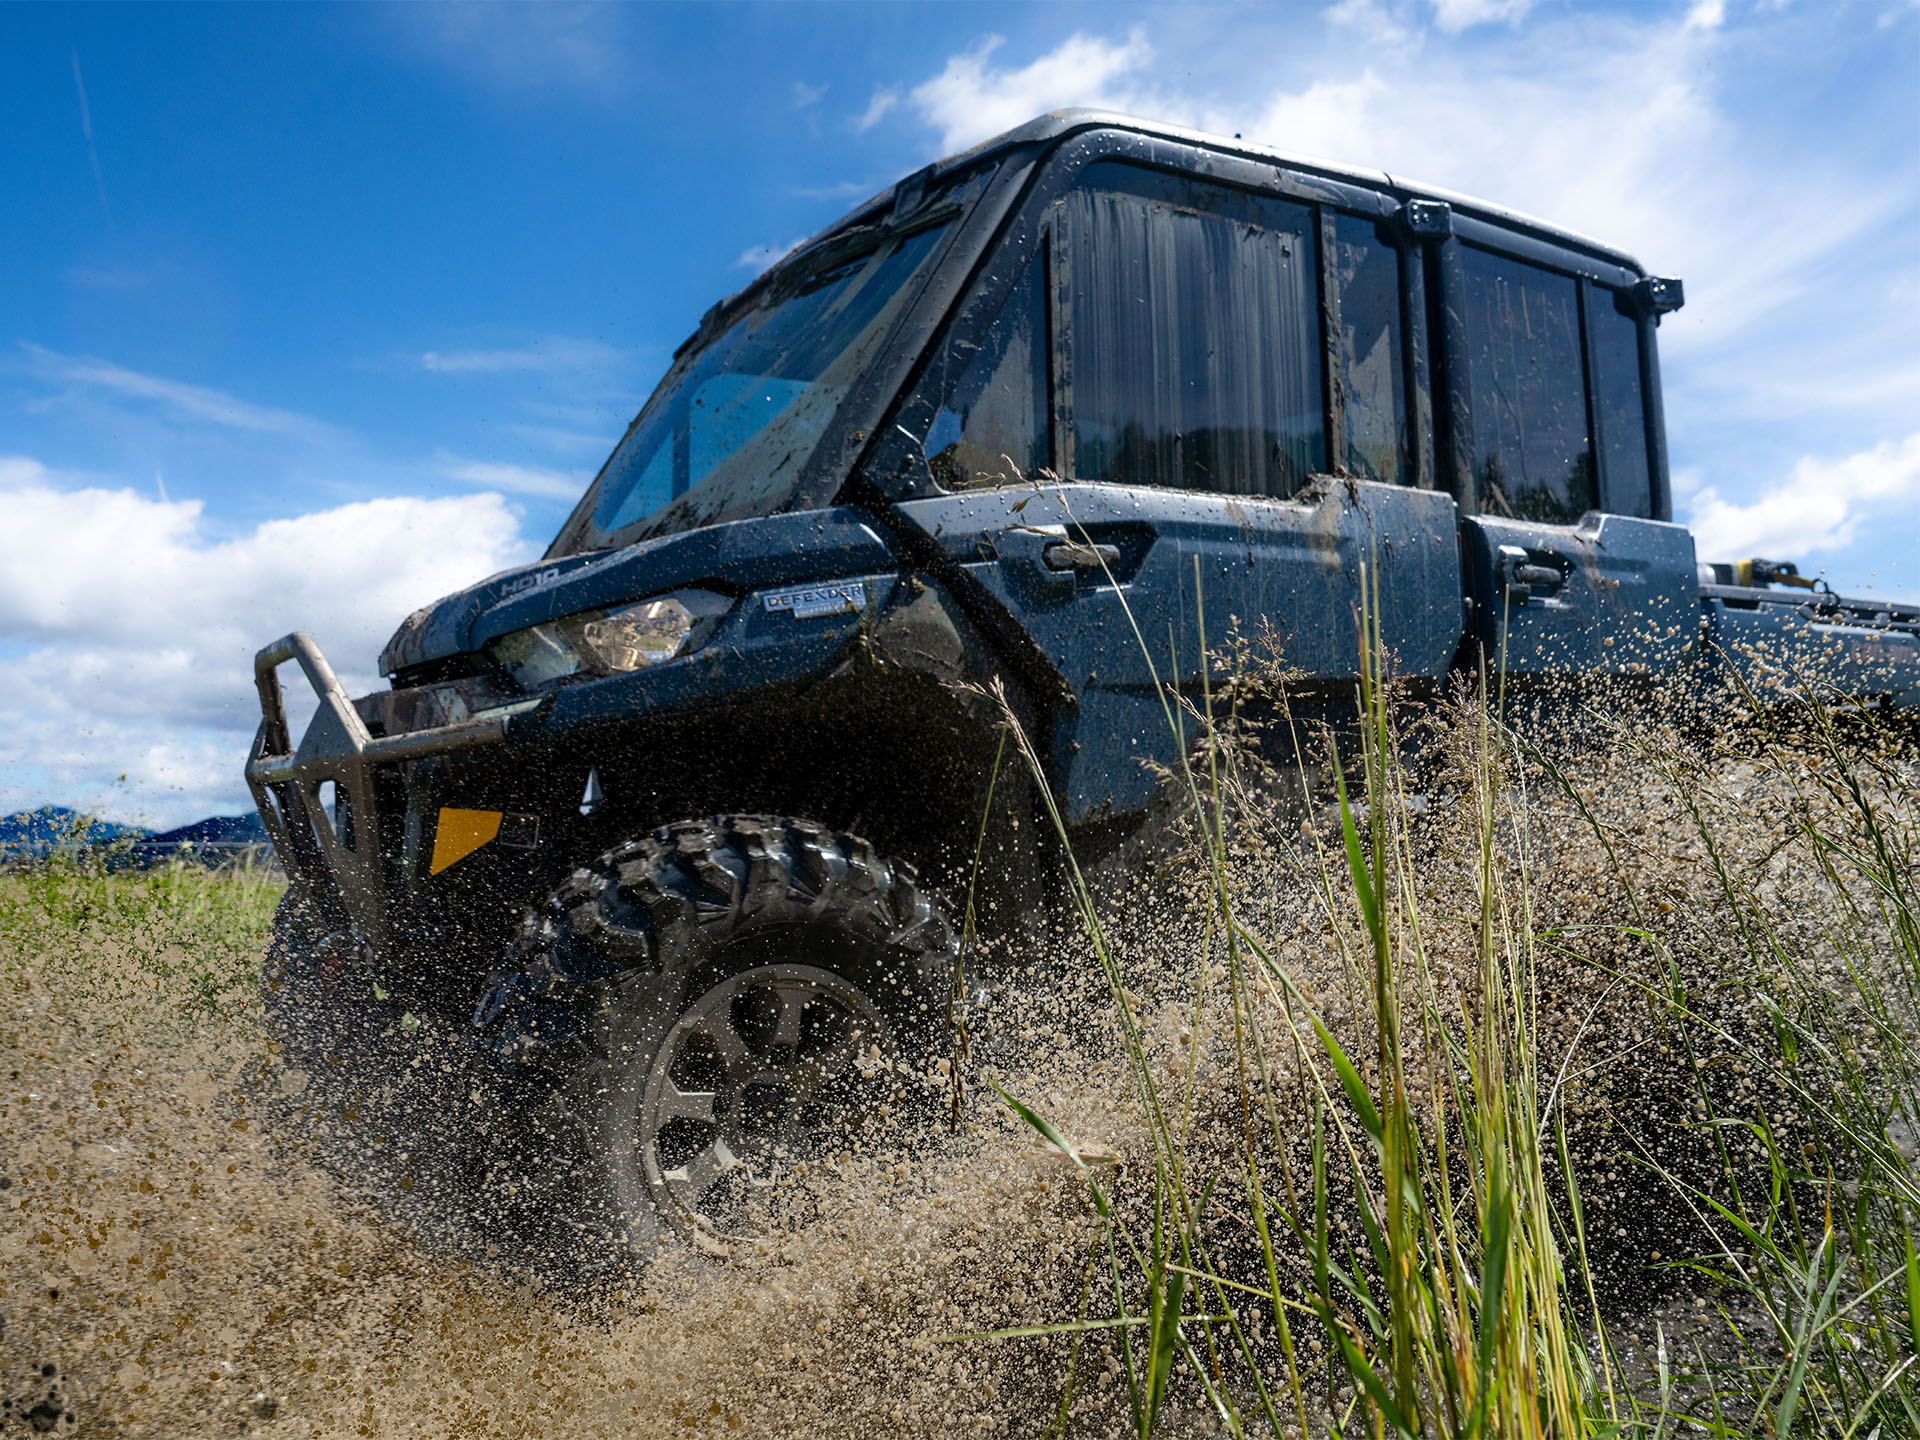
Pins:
<point x="679" y="814"/>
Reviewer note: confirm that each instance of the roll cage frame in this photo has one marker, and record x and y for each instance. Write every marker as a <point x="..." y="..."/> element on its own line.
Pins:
<point x="864" y="456"/>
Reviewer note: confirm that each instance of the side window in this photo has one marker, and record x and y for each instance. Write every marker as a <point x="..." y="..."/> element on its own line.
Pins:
<point x="1527" y="386"/>
<point x="1622" y="405"/>
<point x="991" y="428"/>
<point x="1193" y="335"/>
<point x="1371" y="351"/>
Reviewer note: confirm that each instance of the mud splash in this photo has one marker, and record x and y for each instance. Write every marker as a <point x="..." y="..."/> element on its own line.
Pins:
<point x="173" y="1261"/>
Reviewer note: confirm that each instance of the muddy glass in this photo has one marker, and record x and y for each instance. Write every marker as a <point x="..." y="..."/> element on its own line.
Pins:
<point x="1623" y="409"/>
<point x="731" y="436"/>
<point x="1193" y="335"/>
<point x="1372" y="355"/>
<point x="991" y="428"/>
<point x="1527" y="386"/>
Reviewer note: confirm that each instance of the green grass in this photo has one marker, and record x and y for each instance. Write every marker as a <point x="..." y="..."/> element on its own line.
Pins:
<point x="1422" y="1259"/>
<point x="172" y="946"/>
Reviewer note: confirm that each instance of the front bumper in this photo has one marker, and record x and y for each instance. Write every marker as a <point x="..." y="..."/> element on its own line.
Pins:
<point x="397" y="801"/>
<point x="334" y="860"/>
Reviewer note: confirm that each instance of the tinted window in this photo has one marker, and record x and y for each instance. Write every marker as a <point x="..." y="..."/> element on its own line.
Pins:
<point x="991" y="428"/>
<point x="1193" y="335"/>
<point x="1527" y="386"/>
<point x="1623" y="410"/>
<point x="1372" y="357"/>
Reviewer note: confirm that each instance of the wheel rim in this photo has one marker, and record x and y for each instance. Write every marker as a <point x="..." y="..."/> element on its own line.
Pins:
<point x="756" y="1080"/>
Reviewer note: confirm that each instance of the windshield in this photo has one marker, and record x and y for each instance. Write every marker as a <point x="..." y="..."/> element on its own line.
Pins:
<point x="731" y="436"/>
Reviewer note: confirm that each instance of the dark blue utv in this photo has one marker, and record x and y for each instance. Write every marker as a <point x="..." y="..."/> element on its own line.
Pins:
<point x="651" y="814"/>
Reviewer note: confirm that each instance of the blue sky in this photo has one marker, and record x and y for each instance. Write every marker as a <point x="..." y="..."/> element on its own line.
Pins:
<point x="312" y="314"/>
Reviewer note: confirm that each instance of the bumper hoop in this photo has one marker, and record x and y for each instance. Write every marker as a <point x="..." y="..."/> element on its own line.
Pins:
<point x="334" y="863"/>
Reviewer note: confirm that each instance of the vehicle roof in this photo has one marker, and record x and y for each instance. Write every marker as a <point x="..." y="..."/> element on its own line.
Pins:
<point x="1057" y="125"/>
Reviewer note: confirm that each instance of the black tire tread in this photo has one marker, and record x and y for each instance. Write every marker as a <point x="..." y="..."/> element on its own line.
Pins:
<point x="656" y="904"/>
<point x="662" y="909"/>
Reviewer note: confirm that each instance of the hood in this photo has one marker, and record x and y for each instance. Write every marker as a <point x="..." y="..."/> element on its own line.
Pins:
<point x="436" y="631"/>
<point x="741" y="555"/>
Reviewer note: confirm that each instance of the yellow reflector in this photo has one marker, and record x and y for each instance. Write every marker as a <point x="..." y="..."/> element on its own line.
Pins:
<point x="459" y="834"/>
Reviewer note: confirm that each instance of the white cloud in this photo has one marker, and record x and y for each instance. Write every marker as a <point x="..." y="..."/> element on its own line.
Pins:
<point x="128" y="625"/>
<point x="546" y="355"/>
<point x="1817" y="509"/>
<point x="760" y="257"/>
<point x="1707" y="15"/>
<point x="515" y="479"/>
<point x="838" y="190"/>
<point x="1453" y="16"/>
<point x="99" y="564"/>
<point x="970" y="99"/>
<point x="557" y="437"/>
<point x="1331" y="119"/>
<point x="193" y="402"/>
<point x="805" y="95"/>
<point x="1371" y="21"/>
<point x="883" y="100"/>
<point x="523" y="48"/>
<point x="19" y="471"/>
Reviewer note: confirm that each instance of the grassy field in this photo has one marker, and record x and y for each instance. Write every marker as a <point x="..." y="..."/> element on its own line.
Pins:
<point x="1557" y="1089"/>
<point x="1509" y="1089"/>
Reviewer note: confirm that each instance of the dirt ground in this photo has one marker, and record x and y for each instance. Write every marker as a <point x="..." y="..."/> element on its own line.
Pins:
<point x="173" y="1262"/>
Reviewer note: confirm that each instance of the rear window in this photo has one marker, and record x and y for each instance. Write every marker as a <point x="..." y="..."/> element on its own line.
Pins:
<point x="1527" y="386"/>
<point x="1623" y="406"/>
<point x="1371" y="352"/>
<point x="1531" y="374"/>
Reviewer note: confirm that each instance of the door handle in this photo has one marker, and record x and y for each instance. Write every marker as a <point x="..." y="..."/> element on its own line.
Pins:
<point x="1073" y="555"/>
<point x="1521" y="578"/>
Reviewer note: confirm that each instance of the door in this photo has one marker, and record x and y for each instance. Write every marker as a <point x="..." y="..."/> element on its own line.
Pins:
<point x="1567" y="571"/>
<point x="1163" y="349"/>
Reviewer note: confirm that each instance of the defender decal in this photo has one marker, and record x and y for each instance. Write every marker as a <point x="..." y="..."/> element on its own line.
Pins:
<point x="808" y="602"/>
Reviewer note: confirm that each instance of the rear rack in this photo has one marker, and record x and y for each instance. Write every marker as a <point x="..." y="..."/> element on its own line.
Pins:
<point x="1822" y="606"/>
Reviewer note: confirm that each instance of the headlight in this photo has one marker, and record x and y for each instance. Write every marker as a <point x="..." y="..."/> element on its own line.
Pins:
<point x="638" y="635"/>
<point x="611" y="642"/>
<point x="535" y="656"/>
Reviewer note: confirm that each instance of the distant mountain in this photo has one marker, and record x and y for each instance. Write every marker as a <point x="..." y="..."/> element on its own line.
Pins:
<point x="215" y="841"/>
<point x="52" y="829"/>
<point x="52" y="825"/>
<point x="215" y="830"/>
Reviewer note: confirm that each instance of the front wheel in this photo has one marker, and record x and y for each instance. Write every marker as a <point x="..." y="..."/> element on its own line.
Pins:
<point x="726" y="1009"/>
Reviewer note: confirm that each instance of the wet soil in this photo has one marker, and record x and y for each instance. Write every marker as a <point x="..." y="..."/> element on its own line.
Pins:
<point x="189" y="1245"/>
